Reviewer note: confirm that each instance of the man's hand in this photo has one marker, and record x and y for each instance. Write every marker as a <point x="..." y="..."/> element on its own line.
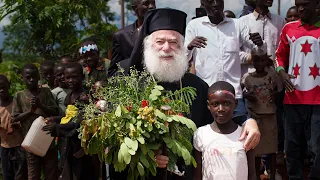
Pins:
<point x="161" y="160"/>
<point x="285" y="77"/>
<point x="197" y="42"/>
<point x="251" y="130"/>
<point x="49" y="128"/>
<point x="256" y="39"/>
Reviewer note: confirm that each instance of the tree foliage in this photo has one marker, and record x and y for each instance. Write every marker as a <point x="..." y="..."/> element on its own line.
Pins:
<point x="52" y="28"/>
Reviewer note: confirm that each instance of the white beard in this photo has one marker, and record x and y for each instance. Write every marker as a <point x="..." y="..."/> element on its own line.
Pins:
<point x="165" y="71"/>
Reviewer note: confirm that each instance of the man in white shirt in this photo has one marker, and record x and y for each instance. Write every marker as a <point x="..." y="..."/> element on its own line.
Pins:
<point x="268" y="25"/>
<point x="216" y="56"/>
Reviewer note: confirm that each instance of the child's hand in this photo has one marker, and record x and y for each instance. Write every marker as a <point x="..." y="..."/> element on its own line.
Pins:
<point x="35" y="103"/>
<point x="49" y="127"/>
<point x="84" y="98"/>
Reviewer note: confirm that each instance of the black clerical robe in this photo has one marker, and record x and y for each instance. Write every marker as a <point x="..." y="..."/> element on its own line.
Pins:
<point x="199" y="114"/>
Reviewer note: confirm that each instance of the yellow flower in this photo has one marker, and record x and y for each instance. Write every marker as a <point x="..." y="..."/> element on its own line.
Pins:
<point x="71" y="112"/>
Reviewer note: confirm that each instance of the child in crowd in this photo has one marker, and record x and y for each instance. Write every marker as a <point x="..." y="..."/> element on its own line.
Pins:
<point x="28" y="105"/>
<point x="292" y="14"/>
<point x="260" y="89"/>
<point x="62" y="90"/>
<point x="94" y="68"/>
<point x="74" y="164"/>
<point x="66" y="59"/>
<point x="46" y="70"/>
<point x="14" y="166"/>
<point x="218" y="152"/>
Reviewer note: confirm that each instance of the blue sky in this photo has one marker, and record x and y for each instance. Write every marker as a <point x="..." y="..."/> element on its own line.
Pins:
<point x="187" y="6"/>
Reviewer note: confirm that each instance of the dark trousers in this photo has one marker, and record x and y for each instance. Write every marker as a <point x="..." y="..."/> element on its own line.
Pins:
<point x="280" y="120"/>
<point x="302" y="125"/>
<point x="14" y="166"/>
<point x="49" y="164"/>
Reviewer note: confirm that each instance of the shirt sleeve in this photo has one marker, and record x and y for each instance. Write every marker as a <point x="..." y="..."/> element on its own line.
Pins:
<point x="283" y="51"/>
<point x="16" y="107"/>
<point x="197" y="143"/>
<point x="50" y="101"/>
<point x="245" y="38"/>
<point x="190" y="35"/>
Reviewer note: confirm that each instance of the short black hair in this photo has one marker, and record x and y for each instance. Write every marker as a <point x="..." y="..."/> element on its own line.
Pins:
<point x="135" y="2"/>
<point x="292" y="8"/>
<point x="47" y="63"/>
<point x="4" y="78"/>
<point x="29" y="66"/>
<point x="231" y="13"/>
<point x="75" y="65"/>
<point x="221" y="85"/>
<point x="58" y="66"/>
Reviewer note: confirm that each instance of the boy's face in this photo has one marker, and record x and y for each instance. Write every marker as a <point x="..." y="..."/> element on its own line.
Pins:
<point x="306" y="9"/>
<point x="73" y="78"/>
<point x="90" y="59"/>
<point x="267" y="3"/>
<point x="214" y="8"/>
<point x="31" y="78"/>
<point x="4" y="89"/>
<point x="260" y="62"/>
<point x="292" y="15"/>
<point x="47" y="74"/>
<point x="221" y="106"/>
<point x="59" y="76"/>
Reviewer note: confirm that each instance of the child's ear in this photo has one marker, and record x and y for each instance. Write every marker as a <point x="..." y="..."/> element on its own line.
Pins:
<point x="208" y="105"/>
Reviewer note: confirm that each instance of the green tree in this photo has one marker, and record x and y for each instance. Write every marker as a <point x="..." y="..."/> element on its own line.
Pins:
<point x="51" y="28"/>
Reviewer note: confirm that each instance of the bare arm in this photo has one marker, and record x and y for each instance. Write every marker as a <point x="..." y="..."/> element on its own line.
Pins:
<point x="21" y="116"/>
<point x="198" y="171"/>
<point x="251" y="165"/>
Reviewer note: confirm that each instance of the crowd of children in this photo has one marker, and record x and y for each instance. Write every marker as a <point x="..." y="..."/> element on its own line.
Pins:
<point x="48" y="92"/>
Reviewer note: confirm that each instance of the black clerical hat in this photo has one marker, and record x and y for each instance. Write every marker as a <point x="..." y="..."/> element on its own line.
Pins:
<point x="155" y="20"/>
<point x="165" y="19"/>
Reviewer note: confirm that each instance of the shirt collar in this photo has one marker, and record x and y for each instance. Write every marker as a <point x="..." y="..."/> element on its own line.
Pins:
<point x="315" y="25"/>
<point x="206" y="20"/>
<point x="258" y="16"/>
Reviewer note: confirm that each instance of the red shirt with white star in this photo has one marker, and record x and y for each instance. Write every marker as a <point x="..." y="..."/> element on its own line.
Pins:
<point x="299" y="53"/>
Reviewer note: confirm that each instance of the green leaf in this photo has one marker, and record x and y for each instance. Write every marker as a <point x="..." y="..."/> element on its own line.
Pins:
<point x="153" y="97"/>
<point x="144" y="160"/>
<point x="128" y="142"/>
<point x="140" y="169"/>
<point x="161" y="115"/>
<point x="144" y="149"/>
<point x="135" y="145"/>
<point x="120" y="153"/>
<point x="156" y="92"/>
<point x="146" y="134"/>
<point x="188" y="122"/>
<point x="118" y="111"/>
<point x="141" y="140"/>
<point x="153" y="146"/>
<point x="124" y="150"/>
<point x="132" y="152"/>
<point x="160" y="88"/>
<point x="194" y="163"/>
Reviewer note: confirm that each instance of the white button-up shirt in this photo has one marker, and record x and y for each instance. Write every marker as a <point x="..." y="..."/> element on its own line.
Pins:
<point x="219" y="60"/>
<point x="269" y="27"/>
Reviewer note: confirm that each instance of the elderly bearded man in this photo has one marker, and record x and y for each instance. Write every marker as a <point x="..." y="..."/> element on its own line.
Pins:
<point x="160" y="50"/>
